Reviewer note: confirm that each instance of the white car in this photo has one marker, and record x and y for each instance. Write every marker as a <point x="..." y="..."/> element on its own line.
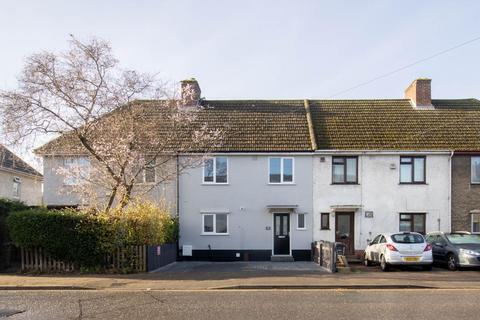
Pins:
<point x="403" y="248"/>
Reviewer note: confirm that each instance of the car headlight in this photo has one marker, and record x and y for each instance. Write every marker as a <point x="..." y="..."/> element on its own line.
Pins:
<point x="469" y="252"/>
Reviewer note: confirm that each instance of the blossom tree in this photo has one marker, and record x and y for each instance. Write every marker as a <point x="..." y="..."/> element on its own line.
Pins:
<point x="128" y="125"/>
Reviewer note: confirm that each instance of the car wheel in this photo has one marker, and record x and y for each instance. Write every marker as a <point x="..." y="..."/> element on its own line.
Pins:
<point x="452" y="262"/>
<point x="383" y="264"/>
<point x="427" y="268"/>
<point x="366" y="262"/>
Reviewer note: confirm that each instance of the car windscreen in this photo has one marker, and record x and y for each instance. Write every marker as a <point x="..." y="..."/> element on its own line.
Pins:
<point x="407" y="238"/>
<point x="457" y="238"/>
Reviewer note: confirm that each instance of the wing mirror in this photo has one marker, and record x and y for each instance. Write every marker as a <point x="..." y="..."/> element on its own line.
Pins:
<point x="438" y="244"/>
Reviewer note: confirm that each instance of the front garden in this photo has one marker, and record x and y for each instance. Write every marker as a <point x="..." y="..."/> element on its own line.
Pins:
<point x="119" y="240"/>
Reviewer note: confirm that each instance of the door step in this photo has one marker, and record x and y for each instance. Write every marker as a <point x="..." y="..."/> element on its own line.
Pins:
<point x="281" y="259"/>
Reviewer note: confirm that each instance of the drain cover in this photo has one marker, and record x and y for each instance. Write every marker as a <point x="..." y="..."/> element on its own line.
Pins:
<point x="4" y="313"/>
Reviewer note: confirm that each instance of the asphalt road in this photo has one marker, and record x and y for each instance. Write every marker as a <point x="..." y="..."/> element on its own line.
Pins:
<point x="438" y="304"/>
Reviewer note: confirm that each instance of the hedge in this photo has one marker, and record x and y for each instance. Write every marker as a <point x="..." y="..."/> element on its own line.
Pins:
<point x="7" y="207"/>
<point x="86" y="237"/>
<point x="66" y="234"/>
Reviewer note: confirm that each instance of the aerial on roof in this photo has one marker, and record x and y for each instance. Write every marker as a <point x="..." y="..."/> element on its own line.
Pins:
<point x="8" y="160"/>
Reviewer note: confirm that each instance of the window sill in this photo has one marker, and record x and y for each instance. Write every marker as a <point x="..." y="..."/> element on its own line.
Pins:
<point x="215" y="184"/>
<point x="345" y="184"/>
<point x="475" y="183"/>
<point x="413" y="183"/>
<point x="215" y="234"/>
<point x="282" y="184"/>
<point x="301" y="229"/>
<point x="323" y="229"/>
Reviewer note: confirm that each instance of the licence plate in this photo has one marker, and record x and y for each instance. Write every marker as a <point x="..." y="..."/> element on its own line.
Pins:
<point x="411" y="259"/>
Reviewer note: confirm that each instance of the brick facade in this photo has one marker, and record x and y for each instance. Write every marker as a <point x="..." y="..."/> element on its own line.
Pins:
<point x="465" y="196"/>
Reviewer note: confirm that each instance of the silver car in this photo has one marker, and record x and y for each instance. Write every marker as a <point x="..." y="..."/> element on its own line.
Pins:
<point x="456" y="249"/>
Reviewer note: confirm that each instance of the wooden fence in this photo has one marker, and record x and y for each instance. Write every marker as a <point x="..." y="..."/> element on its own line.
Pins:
<point x="131" y="259"/>
<point x="36" y="259"/>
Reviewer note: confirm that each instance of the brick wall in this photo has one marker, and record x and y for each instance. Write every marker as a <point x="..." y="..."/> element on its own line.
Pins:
<point x="420" y="92"/>
<point x="465" y="196"/>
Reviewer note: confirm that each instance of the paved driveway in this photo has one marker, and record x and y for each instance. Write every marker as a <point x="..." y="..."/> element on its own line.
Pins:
<point x="240" y="266"/>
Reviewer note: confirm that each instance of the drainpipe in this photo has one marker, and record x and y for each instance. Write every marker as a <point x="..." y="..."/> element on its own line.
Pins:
<point x="450" y="192"/>
<point x="177" y="198"/>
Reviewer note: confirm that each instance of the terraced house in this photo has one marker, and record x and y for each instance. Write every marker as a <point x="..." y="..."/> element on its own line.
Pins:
<point x="293" y="171"/>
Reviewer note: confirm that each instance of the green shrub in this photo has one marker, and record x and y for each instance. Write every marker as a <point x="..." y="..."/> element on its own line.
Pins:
<point x="85" y="237"/>
<point x="67" y="234"/>
<point x="6" y="207"/>
<point x="143" y="223"/>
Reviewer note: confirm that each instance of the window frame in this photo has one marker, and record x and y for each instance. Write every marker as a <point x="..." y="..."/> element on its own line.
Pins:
<point x="472" y="168"/>
<point x="214" y="158"/>
<point x="304" y="220"/>
<point x="142" y="176"/>
<point x="327" y="227"/>
<point x="471" y="222"/>
<point x="18" y="189"/>
<point x="68" y="161"/>
<point x="412" y="170"/>
<point x="412" y="220"/>
<point x="345" y="169"/>
<point x="214" y="232"/>
<point x="281" y="170"/>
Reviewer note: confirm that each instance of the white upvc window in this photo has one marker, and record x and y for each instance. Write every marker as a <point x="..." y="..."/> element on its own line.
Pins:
<point x="77" y="170"/>
<point x="215" y="170"/>
<point x="148" y="173"/>
<point x="301" y="221"/>
<point x="475" y="168"/>
<point x="475" y="222"/>
<point x="16" y="187"/>
<point x="280" y="170"/>
<point x="214" y="223"/>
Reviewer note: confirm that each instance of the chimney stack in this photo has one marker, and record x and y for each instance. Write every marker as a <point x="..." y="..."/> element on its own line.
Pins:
<point x="420" y="93"/>
<point x="190" y="92"/>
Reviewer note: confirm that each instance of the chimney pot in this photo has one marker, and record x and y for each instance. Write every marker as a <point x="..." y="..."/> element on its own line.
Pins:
<point x="420" y="93"/>
<point x="190" y="92"/>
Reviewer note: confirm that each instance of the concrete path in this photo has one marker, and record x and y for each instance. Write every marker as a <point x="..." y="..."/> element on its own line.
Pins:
<point x="207" y="276"/>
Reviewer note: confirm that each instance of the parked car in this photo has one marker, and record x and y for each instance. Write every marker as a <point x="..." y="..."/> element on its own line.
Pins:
<point x="456" y="249"/>
<point x="404" y="248"/>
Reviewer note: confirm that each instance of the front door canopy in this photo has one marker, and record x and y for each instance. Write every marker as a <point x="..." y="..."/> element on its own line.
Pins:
<point x="345" y="208"/>
<point x="282" y="208"/>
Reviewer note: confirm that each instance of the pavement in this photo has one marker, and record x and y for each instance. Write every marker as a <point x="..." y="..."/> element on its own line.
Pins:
<point x="244" y="275"/>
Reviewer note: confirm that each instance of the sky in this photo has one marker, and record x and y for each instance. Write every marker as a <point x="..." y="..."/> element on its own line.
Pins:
<point x="269" y="49"/>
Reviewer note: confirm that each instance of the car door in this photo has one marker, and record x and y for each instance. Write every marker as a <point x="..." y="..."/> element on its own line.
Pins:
<point x="439" y="249"/>
<point x="381" y="246"/>
<point x="373" y="253"/>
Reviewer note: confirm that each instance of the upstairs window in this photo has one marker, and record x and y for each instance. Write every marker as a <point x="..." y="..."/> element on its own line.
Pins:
<point x="215" y="170"/>
<point x="77" y="170"/>
<point x="412" y="169"/>
<point x="475" y="170"/>
<point x="16" y="187"/>
<point x="148" y="174"/>
<point x="344" y="170"/>
<point x="280" y="170"/>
